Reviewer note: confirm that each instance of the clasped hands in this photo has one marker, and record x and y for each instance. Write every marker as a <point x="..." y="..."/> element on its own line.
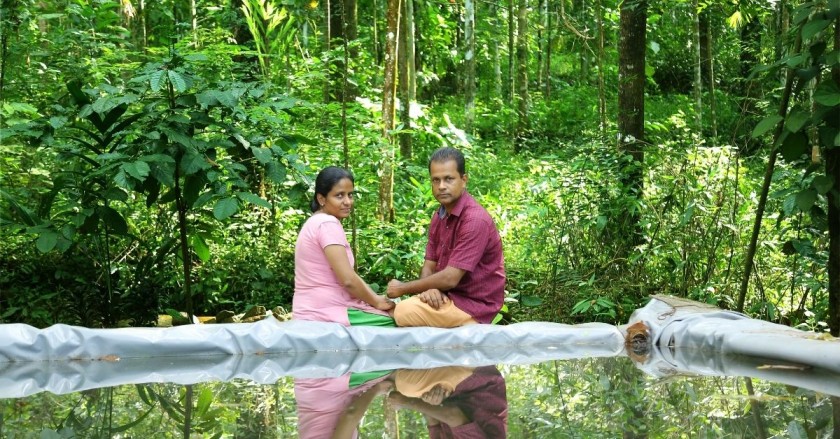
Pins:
<point x="433" y="297"/>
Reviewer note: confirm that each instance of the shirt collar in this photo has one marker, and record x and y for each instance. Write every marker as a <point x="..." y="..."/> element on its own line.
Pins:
<point x="459" y="205"/>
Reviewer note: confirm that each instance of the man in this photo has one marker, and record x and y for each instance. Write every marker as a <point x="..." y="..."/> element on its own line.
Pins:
<point x="463" y="277"/>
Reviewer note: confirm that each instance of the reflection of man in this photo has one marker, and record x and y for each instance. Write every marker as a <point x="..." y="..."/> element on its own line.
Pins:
<point x="463" y="277"/>
<point x="458" y="402"/>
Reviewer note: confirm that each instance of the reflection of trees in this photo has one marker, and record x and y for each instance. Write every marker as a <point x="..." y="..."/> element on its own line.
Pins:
<point x="589" y="398"/>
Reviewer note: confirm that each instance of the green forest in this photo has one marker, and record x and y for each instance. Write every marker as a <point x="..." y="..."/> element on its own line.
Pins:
<point x="158" y="157"/>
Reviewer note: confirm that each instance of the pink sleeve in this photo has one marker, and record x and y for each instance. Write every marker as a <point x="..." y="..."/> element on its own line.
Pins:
<point x="330" y="233"/>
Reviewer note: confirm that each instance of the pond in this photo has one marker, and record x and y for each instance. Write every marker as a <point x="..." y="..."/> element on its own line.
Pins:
<point x="606" y="397"/>
<point x="677" y="369"/>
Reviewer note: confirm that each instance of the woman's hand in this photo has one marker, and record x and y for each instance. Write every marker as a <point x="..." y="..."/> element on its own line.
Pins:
<point x="383" y="304"/>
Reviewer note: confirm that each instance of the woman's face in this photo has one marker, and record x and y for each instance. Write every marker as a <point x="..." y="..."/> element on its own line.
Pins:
<point x="339" y="202"/>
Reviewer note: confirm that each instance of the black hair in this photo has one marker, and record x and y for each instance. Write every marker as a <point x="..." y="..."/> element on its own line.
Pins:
<point x="446" y="154"/>
<point x="326" y="181"/>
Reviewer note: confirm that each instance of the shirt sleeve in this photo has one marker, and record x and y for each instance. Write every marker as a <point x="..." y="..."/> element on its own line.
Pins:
<point x="432" y="244"/>
<point x="471" y="240"/>
<point x="330" y="233"/>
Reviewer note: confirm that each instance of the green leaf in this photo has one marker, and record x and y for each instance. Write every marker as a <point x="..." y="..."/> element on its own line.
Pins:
<point x="805" y="199"/>
<point x="794" y="146"/>
<point x="263" y="155"/>
<point x="767" y="124"/>
<point x="253" y="199"/>
<point x="827" y="93"/>
<point x="225" y="207"/>
<point x="531" y="301"/>
<point x="46" y="241"/>
<point x="813" y="27"/>
<point x="139" y="169"/>
<point x="822" y="183"/>
<point x="202" y="250"/>
<point x="156" y="80"/>
<point x="205" y="398"/>
<point x="276" y="172"/>
<point x="177" y="81"/>
<point x="193" y="162"/>
<point x="796" y="120"/>
<point x="113" y="220"/>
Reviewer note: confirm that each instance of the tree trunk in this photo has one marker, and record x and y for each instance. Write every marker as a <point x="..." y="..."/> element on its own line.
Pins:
<point x="602" y="94"/>
<point x="342" y="26"/>
<point x="832" y="170"/>
<point x="385" y="209"/>
<point x="469" y="64"/>
<point x="698" y="62"/>
<point x="765" y="189"/>
<point x="522" y="75"/>
<point x="511" y="49"/>
<point x="548" y="35"/>
<point x="631" y="103"/>
<point x="707" y="66"/>
<point x="540" y="42"/>
<point x="750" y="37"/>
<point x="405" y="55"/>
<point x="497" y="61"/>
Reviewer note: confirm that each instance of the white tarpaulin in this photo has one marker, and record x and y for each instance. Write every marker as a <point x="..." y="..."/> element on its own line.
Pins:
<point x="683" y="339"/>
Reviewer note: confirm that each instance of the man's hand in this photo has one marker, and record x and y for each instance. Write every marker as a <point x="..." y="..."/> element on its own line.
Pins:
<point x="434" y="298"/>
<point x="436" y="395"/>
<point x="393" y="289"/>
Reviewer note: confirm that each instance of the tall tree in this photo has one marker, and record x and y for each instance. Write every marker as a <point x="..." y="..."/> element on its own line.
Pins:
<point x="522" y="75"/>
<point x="342" y="25"/>
<point x="832" y="170"/>
<point x="385" y="208"/>
<point x="407" y="76"/>
<point x="469" y="64"/>
<point x="631" y="102"/>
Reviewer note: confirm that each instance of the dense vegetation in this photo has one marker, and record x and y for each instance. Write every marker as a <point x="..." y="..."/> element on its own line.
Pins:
<point x="159" y="156"/>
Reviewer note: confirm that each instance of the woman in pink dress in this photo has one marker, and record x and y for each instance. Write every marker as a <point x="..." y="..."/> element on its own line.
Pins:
<point x="327" y="288"/>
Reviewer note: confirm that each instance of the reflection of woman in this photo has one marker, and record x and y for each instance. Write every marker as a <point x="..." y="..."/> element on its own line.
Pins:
<point x="327" y="287"/>
<point x="457" y="402"/>
<point x="332" y="407"/>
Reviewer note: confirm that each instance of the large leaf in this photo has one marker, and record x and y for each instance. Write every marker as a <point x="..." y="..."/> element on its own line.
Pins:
<point x="225" y="207"/>
<point x="113" y="220"/>
<point x="46" y="241"/>
<point x="813" y="27"/>
<point x="794" y="146"/>
<point x="827" y="93"/>
<point x="177" y="80"/>
<point x="253" y="199"/>
<point x="822" y="183"/>
<point x="200" y="247"/>
<point x="805" y="199"/>
<point x="796" y="120"/>
<point x="767" y="124"/>
<point x="139" y="169"/>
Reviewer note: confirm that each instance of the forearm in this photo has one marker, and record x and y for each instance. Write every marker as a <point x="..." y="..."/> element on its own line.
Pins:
<point x="359" y="289"/>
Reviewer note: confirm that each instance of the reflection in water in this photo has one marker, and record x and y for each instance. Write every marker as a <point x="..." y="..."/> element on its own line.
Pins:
<point x="584" y="398"/>
<point x="456" y="402"/>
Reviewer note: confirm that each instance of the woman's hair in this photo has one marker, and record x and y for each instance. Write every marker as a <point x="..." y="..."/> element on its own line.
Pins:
<point x="325" y="181"/>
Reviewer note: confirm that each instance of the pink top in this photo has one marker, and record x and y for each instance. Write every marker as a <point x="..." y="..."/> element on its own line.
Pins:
<point x="318" y="294"/>
<point x="468" y="239"/>
<point x="321" y="401"/>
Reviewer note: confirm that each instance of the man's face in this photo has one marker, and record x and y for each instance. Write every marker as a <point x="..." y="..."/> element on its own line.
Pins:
<point x="447" y="184"/>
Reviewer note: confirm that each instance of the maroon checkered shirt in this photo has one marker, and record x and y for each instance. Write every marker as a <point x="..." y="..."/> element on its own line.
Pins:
<point x="467" y="239"/>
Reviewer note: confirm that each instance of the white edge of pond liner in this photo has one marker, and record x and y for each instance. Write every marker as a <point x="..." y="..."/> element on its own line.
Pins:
<point x="680" y="337"/>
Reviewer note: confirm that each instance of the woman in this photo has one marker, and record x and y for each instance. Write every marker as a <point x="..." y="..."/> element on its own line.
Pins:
<point x="327" y="287"/>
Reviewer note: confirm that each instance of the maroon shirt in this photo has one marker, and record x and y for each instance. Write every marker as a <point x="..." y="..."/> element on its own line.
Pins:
<point x="482" y="397"/>
<point x="467" y="239"/>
